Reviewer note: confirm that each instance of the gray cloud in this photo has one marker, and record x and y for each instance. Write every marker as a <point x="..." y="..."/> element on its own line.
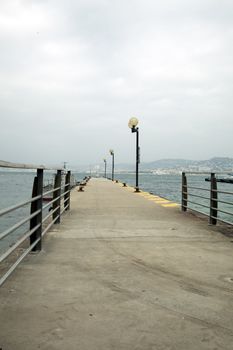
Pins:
<point x="73" y="72"/>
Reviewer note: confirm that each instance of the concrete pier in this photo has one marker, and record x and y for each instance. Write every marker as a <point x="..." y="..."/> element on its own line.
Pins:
<point x="122" y="271"/>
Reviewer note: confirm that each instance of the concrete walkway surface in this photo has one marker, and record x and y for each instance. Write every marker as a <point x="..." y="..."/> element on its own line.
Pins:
<point x="122" y="271"/>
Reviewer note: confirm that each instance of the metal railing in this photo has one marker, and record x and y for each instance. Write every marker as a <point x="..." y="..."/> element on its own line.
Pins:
<point x="191" y="195"/>
<point x="38" y="224"/>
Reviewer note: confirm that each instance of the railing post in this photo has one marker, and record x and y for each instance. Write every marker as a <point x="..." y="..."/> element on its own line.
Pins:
<point x="67" y="188"/>
<point x="184" y="199"/>
<point x="57" y="193"/>
<point x="37" y="205"/>
<point x="213" y="200"/>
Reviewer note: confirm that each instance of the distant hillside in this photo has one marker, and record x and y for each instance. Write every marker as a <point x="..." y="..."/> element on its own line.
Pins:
<point x="216" y="163"/>
<point x="168" y="164"/>
<point x="213" y="163"/>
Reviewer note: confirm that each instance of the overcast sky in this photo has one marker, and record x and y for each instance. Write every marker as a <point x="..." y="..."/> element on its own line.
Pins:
<point x="72" y="73"/>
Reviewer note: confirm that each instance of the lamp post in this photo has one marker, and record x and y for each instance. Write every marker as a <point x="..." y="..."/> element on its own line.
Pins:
<point x="105" y="168"/>
<point x="133" y="122"/>
<point x="112" y="154"/>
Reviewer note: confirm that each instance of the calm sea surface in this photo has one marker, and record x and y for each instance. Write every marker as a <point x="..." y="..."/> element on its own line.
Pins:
<point x="169" y="186"/>
<point x="17" y="186"/>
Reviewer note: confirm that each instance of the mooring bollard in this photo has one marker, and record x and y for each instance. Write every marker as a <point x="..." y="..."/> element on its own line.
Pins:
<point x="124" y="184"/>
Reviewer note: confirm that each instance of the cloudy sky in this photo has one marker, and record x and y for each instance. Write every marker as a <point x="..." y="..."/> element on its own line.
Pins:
<point x="72" y="73"/>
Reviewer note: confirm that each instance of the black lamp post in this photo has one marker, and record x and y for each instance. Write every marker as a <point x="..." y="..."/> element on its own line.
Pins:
<point x="105" y="168"/>
<point x="133" y="122"/>
<point x="112" y="154"/>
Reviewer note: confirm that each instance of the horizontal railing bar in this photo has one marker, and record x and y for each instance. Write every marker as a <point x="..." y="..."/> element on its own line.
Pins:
<point x="4" y="164"/>
<point x="50" y="213"/>
<point x="19" y="224"/>
<point x="220" y="201"/>
<point x="224" y="192"/>
<point x="63" y="194"/>
<point x="65" y="200"/>
<point x="225" y="221"/>
<point x="67" y="206"/>
<point x="213" y="199"/>
<point x="64" y="209"/>
<point x="222" y="220"/>
<point x="198" y="211"/>
<point x="13" y="267"/>
<point x="46" y="205"/>
<point x="213" y="217"/>
<point x="199" y="188"/>
<point x="17" y="244"/>
<point x="19" y="205"/>
<point x="196" y="195"/>
<point x="50" y="225"/>
<point x="50" y="191"/>
<point x="51" y="202"/>
<point x="202" y="205"/>
<point x="223" y="211"/>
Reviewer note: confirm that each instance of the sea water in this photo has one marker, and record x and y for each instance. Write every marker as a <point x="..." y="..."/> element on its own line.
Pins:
<point x="170" y="187"/>
<point x="16" y="187"/>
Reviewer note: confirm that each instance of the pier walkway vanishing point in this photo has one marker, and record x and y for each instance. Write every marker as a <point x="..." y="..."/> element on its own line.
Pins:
<point x="122" y="271"/>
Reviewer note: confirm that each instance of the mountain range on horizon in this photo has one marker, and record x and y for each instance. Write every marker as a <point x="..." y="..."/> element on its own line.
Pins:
<point x="212" y="164"/>
<point x="215" y="163"/>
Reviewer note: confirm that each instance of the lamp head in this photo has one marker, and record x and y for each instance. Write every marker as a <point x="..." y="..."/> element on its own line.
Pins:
<point x="133" y="122"/>
<point x="111" y="151"/>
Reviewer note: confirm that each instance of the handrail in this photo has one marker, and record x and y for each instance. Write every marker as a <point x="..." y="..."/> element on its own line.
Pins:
<point x="51" y="191"/>
<point x="19" y="224"/>
<point x="196" y="195"/>
<point x="199" y="188"/>
<point x="18" y="243"/>
<point x="49" y="226"/>
<point x="50" y="214"/>
<point x="214" y="201"/>
<point x="18" y="261"/>
<point x="38" y="222"/>
<point x="19" y="205"/>
<point x="225" y="212"/>
<point x="51" y="202"/>
<point x="223" y="192"/>
<point x="202" y="205"/>
<point x="220" y="201"/>
<point x="4" y="164"/>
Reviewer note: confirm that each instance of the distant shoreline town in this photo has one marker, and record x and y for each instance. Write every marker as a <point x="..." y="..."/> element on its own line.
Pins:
<point x="158" y="167"/>
<point x="177" y="166"/>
